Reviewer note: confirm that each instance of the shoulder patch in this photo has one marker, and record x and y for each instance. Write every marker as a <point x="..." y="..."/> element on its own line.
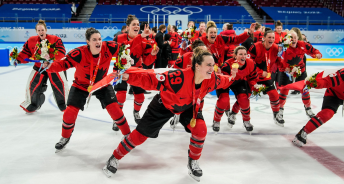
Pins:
<point x="75" y="54"/>
<point x="160" y="77"/>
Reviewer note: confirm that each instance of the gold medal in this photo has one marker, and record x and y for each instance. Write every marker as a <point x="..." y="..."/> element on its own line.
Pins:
<point x="268" y="76"/>
<point x="89" y="88"/>
<point x="193" y="122"/>
<point x="235" y="65"/>
<point x="215" y="68"/>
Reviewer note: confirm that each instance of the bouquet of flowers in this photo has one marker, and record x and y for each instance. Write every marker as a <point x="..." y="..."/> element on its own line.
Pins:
<point x="311" y="82"/>
<point x="189" y="33"/>
<point x="286" y="42"/>
<point x="124" y="60"/>
<point x="45" y="51"/>
<point x="295" y="71"/>
<point x="14" y="55"/>
<point x="258" y="88"/>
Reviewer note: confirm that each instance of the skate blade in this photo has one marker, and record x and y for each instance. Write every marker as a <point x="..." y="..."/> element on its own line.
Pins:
<point x="279" y="124"/>
<point x="297" y="142"/>
<point x="58" y="151"/>
<point x="198" y="179"/>
<point x="250" y="132"/>
<point x="230" y="125"/>
<point x="107" y="172"/>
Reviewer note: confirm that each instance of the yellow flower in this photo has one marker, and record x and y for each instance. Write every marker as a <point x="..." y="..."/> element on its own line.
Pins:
<point x="48" y="47"/>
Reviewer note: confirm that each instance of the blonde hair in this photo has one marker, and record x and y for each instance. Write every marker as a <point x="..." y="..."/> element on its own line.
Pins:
<point x="298" y="33"/>
<point x="41" y="22"/>
<point x="211" y="24"/>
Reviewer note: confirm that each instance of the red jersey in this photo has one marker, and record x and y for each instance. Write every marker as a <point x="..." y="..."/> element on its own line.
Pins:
<point x="81" y="59"/>
<point x="177" y="87"/>
<point x="279" y="37"/>
<point x="247" y="72"/>
<point x="30" y="48"/>
<point x="257" y="36"/>
<point x="138" y="48"/>
<point x="185" y="61"/>
<point x="218" y="47"/>
<point x="229" y="47"/>
<point x="198" y="35"/>
<point x="333" y="82"/>
<point x="260" y="55"/>
<point x="175" y="41"/>
<point x="294" y="56"/>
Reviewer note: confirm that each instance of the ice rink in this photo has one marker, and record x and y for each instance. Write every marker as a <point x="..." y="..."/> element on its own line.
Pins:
<point x="233" y="156"/>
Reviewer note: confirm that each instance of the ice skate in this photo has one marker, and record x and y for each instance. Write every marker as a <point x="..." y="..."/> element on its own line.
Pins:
<point x="137" y="117"/>
<point x="216" y="126"/>
<point x="111" y="166"/>
<point x="281" y="111"/>
<point x="115" y="127"/>
<point x="61" y="144"/>
<point x="231" y="118"/>
<point x="309" y="112"/>
<point x="300" y="138"/>
<point x="194" y="170"/>
<point x="278" y="118"/>
<point x="174" y="121"/>
<point x="248" y="126"/>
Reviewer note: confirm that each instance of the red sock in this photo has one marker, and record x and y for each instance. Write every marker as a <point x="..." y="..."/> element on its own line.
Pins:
<point x="274" y="100"/>
<point x="121" y="97"/>
<point x="244" y="104"/>
<point x="198" y="134"/>
<point x="138" y="100"/>
<point x="69" y="118"/>
<point x="117" y="115"/>
<point x="283" y="97"/>
<point x="222" y="105"/>
<point x="306" y="99"/>
<point x="322" y="117"/>
<point x="134" y="139"/>
<point x="236" y="108"/>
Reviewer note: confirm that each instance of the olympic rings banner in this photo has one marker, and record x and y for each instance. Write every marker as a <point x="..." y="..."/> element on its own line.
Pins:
<point x="329" y="51"/>
<point x="194" y="12"/>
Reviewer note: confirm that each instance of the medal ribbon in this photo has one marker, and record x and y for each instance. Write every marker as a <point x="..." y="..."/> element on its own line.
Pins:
<point x="92" y="79"/>
<point x="196" y="102"/>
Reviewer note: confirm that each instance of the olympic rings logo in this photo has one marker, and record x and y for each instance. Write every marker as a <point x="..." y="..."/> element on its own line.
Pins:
<point x="238" y="28"/>
<point x="109" y="28"/>
<point x="167" y="10"/>
<point x="79" y="35"/>
<point x="334" y="51"/>
<point x="303" y="29"/>
<point x="318" y="37"/>
<point x="48" y="27"/>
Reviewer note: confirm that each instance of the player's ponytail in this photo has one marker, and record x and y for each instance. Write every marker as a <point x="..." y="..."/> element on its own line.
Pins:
<point x="198" y="57"/>
<point x="41" y="22"/>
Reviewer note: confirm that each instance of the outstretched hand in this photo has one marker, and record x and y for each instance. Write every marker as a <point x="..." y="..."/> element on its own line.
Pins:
<point x="155" y="51"/>
<point x="115" y="74"/>
<point x="145" y="32"/>
<point x="252" y="27"/>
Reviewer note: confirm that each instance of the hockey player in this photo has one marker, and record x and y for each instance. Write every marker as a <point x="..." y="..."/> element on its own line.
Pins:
<point x="216" y="44"/>
<point x="264" y="55"/>
<point x="333" y="98"/>
<point x="258" y="34"/>
<point x="174" y="43"/>
<point x="245" y="80"/>
<point x="279" y="34"/>
<point x="294" y="56"/>
<point x="37" y="83"/>
<point x="185" y="60"/>
<point x="137" y="50"/>
<point x="92" y="62"/>
<point x="181" y="92"/>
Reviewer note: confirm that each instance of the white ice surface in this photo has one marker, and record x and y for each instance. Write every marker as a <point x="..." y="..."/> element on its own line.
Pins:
<point x="28" y="156"/>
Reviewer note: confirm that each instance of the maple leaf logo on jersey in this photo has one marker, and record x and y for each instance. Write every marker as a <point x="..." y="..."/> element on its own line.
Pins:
<point x="177" y="108"/>
<point x="294" y="61"/>
<point x="160" y="77"/>
<point x="100" y="75"/>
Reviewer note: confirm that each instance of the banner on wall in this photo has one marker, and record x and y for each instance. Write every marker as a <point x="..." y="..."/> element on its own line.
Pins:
<point x="70" y="35"/>
<point x="330" y="51"/>
<point x="324" y="36"/>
